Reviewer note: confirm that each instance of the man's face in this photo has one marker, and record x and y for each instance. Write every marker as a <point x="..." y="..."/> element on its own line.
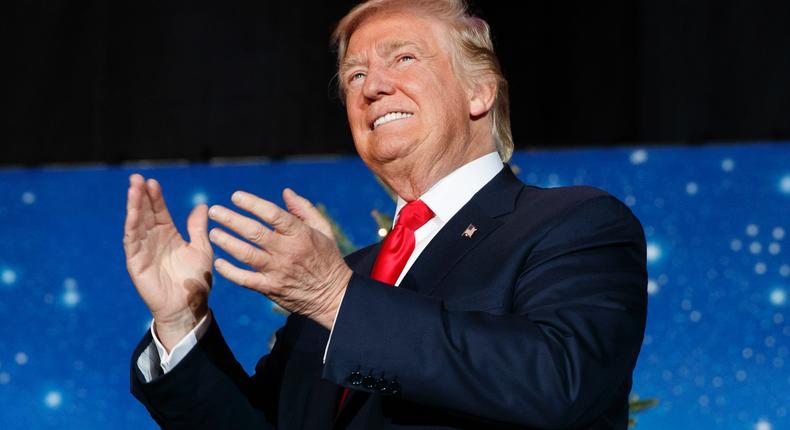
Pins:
<point x="405" y="104"/>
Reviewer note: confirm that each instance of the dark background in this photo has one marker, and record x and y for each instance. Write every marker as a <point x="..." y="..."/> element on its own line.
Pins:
<point x="109" y="81"/>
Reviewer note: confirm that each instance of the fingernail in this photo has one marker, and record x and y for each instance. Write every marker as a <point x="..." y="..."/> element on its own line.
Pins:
<point x="212" y="235"/>
<point x="213" y="212"/>
<point x="236" y="197"/>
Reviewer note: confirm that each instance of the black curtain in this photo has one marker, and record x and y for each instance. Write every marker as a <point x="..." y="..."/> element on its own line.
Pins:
<point x="98" y="81"/>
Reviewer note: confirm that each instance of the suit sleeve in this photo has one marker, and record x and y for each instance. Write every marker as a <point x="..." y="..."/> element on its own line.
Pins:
<point x="210" y="389"/>
<point x="553" y="361"/>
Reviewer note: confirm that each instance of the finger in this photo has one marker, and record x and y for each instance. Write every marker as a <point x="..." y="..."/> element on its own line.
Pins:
<point x="307" y="212"/>
<point x="239" y="249"/>
<point x="246" y="227"/>
<point x="136" y="182"/>
<point x="157" y="200"/>
<point x="134" y="203"/>
<point x="197" y="228"/>
<point x="281" y="220"/>
<point x="245" y="278"/>
<point x="131" y="228"/>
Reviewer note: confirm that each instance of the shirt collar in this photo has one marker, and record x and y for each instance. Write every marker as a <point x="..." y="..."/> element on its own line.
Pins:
<point x="451" y="193"/>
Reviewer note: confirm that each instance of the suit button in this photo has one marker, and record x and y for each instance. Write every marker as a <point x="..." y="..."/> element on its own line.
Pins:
<point x="381" y="386"/>
<point x="394" y="388"/>
<point x="355" y="378"/>
<point x="369" y="382"/>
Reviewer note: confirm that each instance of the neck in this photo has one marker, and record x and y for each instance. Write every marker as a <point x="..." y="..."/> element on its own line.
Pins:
<point x="410" y="180"/>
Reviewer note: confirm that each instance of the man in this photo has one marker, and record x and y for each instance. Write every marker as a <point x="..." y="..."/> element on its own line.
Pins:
<point x="491" y="304"/>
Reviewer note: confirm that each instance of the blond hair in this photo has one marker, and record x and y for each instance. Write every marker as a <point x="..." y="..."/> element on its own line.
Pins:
<point x="474" y="53"/>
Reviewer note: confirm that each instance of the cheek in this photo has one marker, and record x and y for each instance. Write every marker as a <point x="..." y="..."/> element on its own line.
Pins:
<point x="356" y="119"/>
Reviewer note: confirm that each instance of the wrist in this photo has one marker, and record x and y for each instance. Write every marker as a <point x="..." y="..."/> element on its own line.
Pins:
<point x="170" y="330"/>
<point x="327" y="317"/>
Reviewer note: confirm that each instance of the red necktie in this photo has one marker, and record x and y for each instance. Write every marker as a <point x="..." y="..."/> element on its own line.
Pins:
<point x="399" y="243"/>
<point x="397" y="248"/>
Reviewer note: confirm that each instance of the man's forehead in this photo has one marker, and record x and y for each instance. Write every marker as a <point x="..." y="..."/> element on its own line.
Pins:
<point x="383" y="48"/>
<point x="403" y="32"/>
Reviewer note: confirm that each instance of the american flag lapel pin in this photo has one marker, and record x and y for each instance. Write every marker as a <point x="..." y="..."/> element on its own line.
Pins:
<point x="469" y="231"/>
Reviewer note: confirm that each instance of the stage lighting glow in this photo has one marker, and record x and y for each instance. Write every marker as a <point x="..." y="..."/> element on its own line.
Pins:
<point x="763" y="425"/>
<point x="784" y="184"/>
<point x="638" y="157"/>
<point x="199" y="198"/>
<point x="652" y="287"/>
<point x="28" y="198"/>
<point x="654" y="252"/>
<point x="8" y="276"/>
<point x="53" y="399"/>
<point x="778" y="297"/>
<point x="71" y="298"/>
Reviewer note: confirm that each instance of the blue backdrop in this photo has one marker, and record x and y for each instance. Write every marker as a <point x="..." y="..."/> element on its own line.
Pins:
<point x="715" y="352"/>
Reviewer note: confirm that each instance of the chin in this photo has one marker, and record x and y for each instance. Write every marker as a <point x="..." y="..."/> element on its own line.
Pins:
<point x="387" y="151"/>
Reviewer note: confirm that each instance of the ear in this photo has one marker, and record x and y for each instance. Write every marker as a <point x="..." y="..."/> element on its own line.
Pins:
<point x="482" y="95"/>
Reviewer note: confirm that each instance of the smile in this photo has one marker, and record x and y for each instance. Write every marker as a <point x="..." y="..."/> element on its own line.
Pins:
<point x="389" y="117"/>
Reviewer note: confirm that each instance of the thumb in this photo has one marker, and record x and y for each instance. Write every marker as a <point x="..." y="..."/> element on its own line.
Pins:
<point x="197" y="227"/>
<point x="304" y="210"/>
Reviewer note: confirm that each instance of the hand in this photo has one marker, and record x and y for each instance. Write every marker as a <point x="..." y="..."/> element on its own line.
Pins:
<point x="297" y="265"/>
<point x="172" y="276"/>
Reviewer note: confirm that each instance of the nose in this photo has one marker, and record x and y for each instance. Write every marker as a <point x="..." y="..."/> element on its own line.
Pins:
<point x="378" y="83"/>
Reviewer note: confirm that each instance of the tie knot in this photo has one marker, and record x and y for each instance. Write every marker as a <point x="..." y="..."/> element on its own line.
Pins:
<point x="414" y="215"/>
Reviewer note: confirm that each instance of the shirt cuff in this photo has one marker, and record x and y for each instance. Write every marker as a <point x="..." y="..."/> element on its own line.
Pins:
<point x="326" y="350"/>
<point x="155" y="361"/>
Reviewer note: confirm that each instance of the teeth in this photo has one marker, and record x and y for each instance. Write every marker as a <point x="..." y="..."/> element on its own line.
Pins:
<point x="392" y="116"/>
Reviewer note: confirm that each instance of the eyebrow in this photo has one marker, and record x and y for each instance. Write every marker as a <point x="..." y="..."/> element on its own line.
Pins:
<point x="385" y="49"/>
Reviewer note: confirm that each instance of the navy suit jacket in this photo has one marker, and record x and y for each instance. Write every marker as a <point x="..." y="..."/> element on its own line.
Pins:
<point x="535" y="321"/>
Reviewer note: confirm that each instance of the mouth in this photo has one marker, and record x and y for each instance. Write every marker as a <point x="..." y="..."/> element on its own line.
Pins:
<point x="389" y="117"/>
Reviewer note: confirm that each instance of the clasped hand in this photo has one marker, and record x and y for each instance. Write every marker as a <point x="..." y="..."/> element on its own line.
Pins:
<point x="296" y="264"/>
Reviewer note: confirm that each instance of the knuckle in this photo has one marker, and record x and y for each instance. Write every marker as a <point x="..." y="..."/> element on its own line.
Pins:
<point x="246" y="280"/>
<point x="275" y="217"/>
<point x="248" y="255"/>
<point x="257" y="235"/>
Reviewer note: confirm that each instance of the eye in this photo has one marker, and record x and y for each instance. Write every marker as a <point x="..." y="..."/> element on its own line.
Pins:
<point x="355" y="76"/>
<point x="406" y="58"/>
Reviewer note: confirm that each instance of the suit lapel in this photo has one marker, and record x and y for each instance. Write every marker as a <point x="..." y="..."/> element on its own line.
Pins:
<point x="449" y="246"/>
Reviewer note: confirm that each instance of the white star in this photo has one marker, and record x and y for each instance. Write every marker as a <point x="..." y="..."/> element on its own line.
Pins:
<point x="784" y="184"/>
<point x="653" y="252"/>
<point x="199" y="198"/>
<point x="53" y="399"/>
<point x="8" y="276"/>
<point x="638" y="157"/>
<point x="28" y="198"/>
<point x="778" y="297"/>
<point x="763" y="425"/>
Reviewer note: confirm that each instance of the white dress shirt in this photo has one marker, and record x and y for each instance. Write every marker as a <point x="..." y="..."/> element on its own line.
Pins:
<point x="445" y="198"/>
